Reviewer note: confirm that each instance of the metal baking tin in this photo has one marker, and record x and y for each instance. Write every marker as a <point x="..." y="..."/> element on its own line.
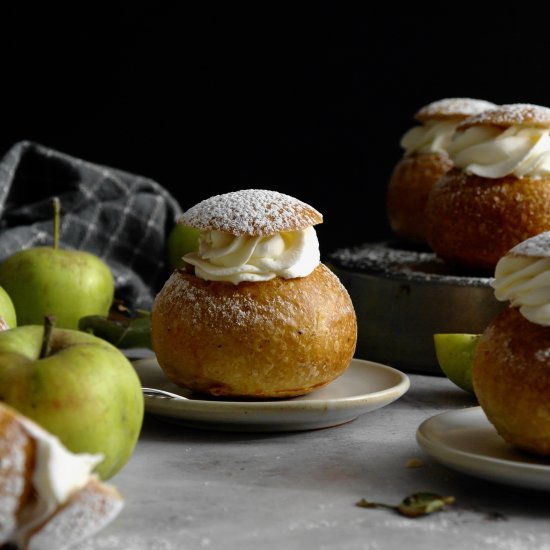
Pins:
<point x="399" y="311"/>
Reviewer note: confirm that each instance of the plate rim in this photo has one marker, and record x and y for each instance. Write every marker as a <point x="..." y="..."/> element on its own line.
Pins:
<point x="528" y="474"/>
<point x="346" y="407"/>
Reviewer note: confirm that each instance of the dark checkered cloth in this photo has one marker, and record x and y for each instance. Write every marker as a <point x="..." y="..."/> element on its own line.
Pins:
<point x="121" y="217"/>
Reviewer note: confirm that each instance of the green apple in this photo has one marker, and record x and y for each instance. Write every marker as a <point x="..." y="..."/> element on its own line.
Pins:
<point x="7" y="311"/>
<point x="79" y="387"/>
<point x="181" y="240"/>
<point x="455" y="355"/>
<point x="69" y="284"/>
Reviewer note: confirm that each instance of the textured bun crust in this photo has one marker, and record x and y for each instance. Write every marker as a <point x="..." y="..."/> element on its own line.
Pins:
<point x="457" y="108"/>
<point x="253" y="212"/>
<point x="87" y="511"/>
<point x="278" y="338"/>
<point x="411" y="182"/>
<point x="515" y="114"/>
<point x="511" y="376"/>
<point x="17" y="451"/>
<point x="474" y="221"/>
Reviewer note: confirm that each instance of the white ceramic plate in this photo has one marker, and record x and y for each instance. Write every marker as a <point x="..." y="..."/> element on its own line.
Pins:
<point x="466" y="441"/>
<point x="363" y="387"/>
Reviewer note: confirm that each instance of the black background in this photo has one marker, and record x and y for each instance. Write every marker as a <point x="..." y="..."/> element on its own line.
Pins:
<point x="205" y="100"/>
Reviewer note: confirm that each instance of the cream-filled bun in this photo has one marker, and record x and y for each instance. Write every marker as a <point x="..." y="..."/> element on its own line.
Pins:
<point x="511" y="369"/>
<point x="498" y="193"/>
<point x="256" y="314"/>
<point x="49" y="497"/>
<point x="424" y="162"/>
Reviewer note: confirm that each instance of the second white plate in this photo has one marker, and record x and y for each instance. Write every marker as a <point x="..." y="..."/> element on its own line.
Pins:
<point x="466" y="441"/>
<point x="363" y="387"/>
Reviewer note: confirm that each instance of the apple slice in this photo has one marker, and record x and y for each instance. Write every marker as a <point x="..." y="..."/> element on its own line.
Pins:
<point x="455" y="354"/>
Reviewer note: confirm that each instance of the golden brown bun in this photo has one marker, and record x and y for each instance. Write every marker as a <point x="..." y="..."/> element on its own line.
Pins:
<point x="511" y="377"/>
<point x="277" y="338"/>
<point x="254" y="212"/>
<point x="453" y="108"/>
<point x="87" y="511"/>
<point x="514" y="114"/>
<point x="408" y="191"/>
<point x="416" y="173"/>
<point x="17" y="451"/>
<point x="474" y="221"/>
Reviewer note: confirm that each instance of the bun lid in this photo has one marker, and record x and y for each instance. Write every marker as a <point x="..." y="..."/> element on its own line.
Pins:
<point x="534" y="247"/>
<point x="252" y="212"/>
<point x="457" y="108"/>
<point x="514" y="114"/>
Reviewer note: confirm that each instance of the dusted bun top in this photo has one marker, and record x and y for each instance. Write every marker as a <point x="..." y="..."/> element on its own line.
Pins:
<point x="253" y="212"/>
<point x="534" y="247"/>
<point x="453" y="108"/>
<point x="514" y="114"/>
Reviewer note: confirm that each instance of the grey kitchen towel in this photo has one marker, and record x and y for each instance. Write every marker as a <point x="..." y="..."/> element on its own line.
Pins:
<point x="121" y="217"/>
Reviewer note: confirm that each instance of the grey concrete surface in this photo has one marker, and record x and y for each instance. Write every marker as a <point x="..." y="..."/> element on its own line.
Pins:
<point x="192" y="489"/>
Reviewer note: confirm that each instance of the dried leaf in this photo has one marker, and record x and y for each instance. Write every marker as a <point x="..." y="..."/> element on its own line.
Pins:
<point x="413" y="506"/>
<point x="422" y="504"/>
<point x="123" y="331"/>
<point x="364" y="503"/>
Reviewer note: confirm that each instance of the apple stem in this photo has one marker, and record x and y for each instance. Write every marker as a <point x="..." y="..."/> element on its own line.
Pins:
<point x="56" y="216"/>
<point x="49" y="321"/>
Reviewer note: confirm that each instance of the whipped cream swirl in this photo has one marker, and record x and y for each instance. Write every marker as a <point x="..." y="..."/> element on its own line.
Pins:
<point x="225" y="257"/>
<point x="525" y="282"/>
<point x="492" y="152"/>
<point x="434" y="136"/>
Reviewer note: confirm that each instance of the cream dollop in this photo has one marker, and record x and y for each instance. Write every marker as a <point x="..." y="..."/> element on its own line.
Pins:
<point x="58" y="473"/>
<point x="434" y="136"/>
<point x="225" y="257"/>
<point x="492" y="152"/>
<point x="525" y="282"/>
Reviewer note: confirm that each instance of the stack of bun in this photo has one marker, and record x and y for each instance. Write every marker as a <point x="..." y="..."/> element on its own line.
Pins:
<point x="488" y="211"/>
<point x="255" y="314"/>
<point x="511" y="368"/>
<point x="473" y="183"/>
<point x="424" y="162"/>
<point x="49" y="499"/>
<point x="498" y="192"/>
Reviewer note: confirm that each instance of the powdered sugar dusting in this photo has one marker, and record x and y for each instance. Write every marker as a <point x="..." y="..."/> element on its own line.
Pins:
<point x="537" y="246"/>
<point x="515" y="114"/>
<point x="388" y="260"/>
<point x="217" y="310"/>
<point x="254" y="212"/>
<point x="88" y="511"/>
<point x="453" y="107"/>
<point x="13" y="463"/>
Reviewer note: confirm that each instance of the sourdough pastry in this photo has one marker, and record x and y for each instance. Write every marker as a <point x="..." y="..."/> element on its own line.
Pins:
<point x="511" y="369"/>
<point x="498" y="193"/>
<point x="256" y="314"/>
<point x="48" y="496"/>
<point x="424" y="162"/>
